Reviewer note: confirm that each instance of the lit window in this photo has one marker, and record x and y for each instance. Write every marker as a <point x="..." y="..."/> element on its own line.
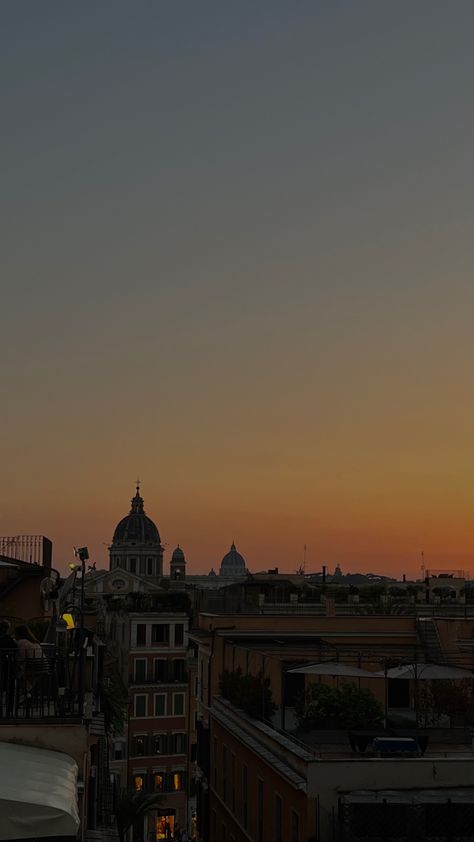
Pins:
<point x="158" y="782"/>
<point x="138" y="783"/>
<point x="177" y="781"/>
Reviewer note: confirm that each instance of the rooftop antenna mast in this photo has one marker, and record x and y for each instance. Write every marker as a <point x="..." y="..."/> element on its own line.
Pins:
<point x="304" y="559"/>
<point x="422" y="565"/>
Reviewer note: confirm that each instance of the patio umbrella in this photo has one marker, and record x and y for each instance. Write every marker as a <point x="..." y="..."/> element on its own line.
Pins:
<point x="428" y="672"/>
<point x="423" y="672"/>
<point x="334" y="668"/>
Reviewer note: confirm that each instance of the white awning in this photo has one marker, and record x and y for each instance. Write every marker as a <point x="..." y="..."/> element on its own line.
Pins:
<point x="38" y="793"/>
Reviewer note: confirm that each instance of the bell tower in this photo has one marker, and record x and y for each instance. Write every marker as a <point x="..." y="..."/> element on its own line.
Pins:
<point x="177" y="565"/>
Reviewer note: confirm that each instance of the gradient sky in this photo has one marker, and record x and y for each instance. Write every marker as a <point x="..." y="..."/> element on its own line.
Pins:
<point x="237" y="261"/>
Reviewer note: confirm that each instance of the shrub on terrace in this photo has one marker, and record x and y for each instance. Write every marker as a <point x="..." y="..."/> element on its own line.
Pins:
<point x="346" y="706"/>
<point x="251" y="693"/>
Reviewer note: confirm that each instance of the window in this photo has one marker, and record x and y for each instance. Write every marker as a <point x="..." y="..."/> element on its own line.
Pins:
<point x="278" y="816"/>
<point x="160" y="633"/>
<point x="179" y="743"/>
<point x="224" y="772"/>
<point x="178" y="704"/>
<point x="142" y="566"/>
<point x="149" y="562"/>
<point x="158" y="782"/>
<point x="119" y="751"/>
<point x="159" y="743"/>
<point x="138" y="782"/>
<point x="259" y="810"/>
<point x="141" y="634"/>
<point x="139" y="745"/>
<point x="179" y="634"/>
<point x="179" y="669"/>
<point x="140" y="705"/>
<point x="177" y="781"/>
<point x="215" y="762"/>
<point x="159" y="669"/>
<point x="232" y="781"/>
<point x="160" y="704"/>
<point x="140" y="669"/>
<point x="295" y="827"/>
<point x="133" y="565"/>
<point x="245" y="806"/>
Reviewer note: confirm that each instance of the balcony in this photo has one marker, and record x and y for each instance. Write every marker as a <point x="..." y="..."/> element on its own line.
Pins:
<point x="168" y="674"/>
<point x="45" y="687"/>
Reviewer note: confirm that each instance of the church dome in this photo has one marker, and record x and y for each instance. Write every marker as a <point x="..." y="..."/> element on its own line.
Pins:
<point x="178" y="555"/>
<point x="233" y="564"/>
<point x="136" y="527"/>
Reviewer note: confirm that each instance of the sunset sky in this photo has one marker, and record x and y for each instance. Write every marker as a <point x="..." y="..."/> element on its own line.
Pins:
<point x="237" y="262"/>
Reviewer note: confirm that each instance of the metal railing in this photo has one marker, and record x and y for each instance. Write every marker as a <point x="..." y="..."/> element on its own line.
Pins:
<point x="37" y="687"/>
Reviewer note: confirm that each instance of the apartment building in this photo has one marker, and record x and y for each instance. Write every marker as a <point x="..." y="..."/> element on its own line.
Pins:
<point x="159" y="714"/>
<point x="268" y="780"/>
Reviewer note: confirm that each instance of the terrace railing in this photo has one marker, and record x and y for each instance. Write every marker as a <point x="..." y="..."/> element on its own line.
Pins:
<point x="41" y="687"/>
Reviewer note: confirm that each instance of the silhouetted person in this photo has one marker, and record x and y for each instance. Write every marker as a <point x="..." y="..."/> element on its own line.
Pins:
<point x="28" y="651"/>
<point x="28" y="646"/>
<point x="8" y="659"/>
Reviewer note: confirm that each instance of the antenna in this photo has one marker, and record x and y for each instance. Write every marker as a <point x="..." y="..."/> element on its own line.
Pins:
<point x="304" y="559"/>
<point x="422" y="565"/>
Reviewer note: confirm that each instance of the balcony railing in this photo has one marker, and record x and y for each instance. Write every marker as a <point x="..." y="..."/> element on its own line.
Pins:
<point x="170" y="678"/>
<point x="41" y="687"/>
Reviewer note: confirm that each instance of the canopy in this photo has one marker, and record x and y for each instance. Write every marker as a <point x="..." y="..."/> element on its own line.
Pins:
<point x="334" y="668"/>
<point x="38" y="793"/>
<point x="428" y="672"/>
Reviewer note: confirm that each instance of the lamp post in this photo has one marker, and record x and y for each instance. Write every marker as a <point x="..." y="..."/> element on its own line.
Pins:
<point x="83" y="555"/>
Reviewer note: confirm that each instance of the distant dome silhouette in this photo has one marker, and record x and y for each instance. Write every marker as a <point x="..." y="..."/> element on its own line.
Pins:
<point x="136" y="527"/>
<point x="233" y="564"/>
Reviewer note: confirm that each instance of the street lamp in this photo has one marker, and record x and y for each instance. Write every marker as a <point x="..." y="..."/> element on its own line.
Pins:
<point x="82" y="553"/>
